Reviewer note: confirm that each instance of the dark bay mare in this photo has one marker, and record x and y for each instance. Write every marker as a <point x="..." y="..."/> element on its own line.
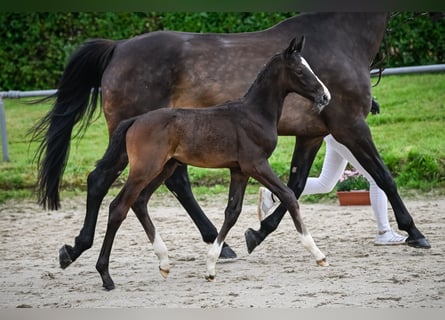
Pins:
<point x="238" y="134"/>
<point x="171" y="69"/>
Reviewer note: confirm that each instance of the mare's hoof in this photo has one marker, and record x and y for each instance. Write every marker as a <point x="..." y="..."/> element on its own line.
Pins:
<point x="252" y="239"/>
<point x="64" y="256"/>
<point x="418" y="243"/>
<point x="108" y="286"/>
<point x="210" y="278"/>
<point x="164" y="272"/>
<point x="227" y="253"/>
<point x="323" y="263"/>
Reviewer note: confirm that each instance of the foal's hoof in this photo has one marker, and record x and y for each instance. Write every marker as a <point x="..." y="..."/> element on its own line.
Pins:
<point x="64" y="256"/>
<point x="418" y="243"/>
<point x="210" y="278"/>
<point x="252" y="239"/>
<point x="323" y="263"/>
<point x="164" y="272"/>
<point x="227" y="253"/>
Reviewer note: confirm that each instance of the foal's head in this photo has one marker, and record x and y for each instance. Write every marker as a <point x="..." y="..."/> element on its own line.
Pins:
<point x="300" y="77"/>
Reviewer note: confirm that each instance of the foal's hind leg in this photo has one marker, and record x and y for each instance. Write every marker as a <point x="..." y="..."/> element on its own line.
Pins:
<point x="136" y="183"/>
<point x="140" y="209"/>
<point x="238" y="183"/>
<point x="99" y="181"/>
<point x="118" y="212"/>
<point x="179" y="184"/>
<point x="159" y="247"/>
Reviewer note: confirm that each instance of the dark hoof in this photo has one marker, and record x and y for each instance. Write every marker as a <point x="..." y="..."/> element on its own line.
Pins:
<point x="418" y="243"/>
<point x="253" y="239"/>
<point x="64" y="256"/>
<point x="210" y="278"/>
<point x="227" y="253"/>
<point x="109" y="286"/>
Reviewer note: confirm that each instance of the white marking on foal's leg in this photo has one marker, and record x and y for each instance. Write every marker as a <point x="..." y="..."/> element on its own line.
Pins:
<point x="212" y="257"/>
<point x="325" y="89"/>
<point x="309" y="243"/>
<point x="161" y="252"/>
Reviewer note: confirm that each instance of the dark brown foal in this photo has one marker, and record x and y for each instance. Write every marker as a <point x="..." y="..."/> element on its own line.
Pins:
<point x="239" y="135"/>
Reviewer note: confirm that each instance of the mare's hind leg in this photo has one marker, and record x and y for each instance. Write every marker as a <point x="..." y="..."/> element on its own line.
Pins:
<point x="179" y="184"/>
<point x="98" y="183"/>
<point x="264" y="174"/>
<point x="361" y="145"/>
<point x="304" y="154"/>
<point x="238" y="183"/>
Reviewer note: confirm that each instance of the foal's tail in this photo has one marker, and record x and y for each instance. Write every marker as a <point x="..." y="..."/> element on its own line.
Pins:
<point x="76" y="101"/>
<point x="117" y="145"/>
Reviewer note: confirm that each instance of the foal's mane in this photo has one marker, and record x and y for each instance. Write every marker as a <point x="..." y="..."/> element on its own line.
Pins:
<point x="262" y="73"/>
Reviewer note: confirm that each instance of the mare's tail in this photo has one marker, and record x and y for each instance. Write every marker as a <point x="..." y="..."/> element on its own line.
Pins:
<point x="117" y="145"/>
<point x="76" y="101"/>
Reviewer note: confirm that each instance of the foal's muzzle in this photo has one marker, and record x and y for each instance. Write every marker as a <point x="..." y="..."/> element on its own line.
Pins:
<point x="322" y="101"/>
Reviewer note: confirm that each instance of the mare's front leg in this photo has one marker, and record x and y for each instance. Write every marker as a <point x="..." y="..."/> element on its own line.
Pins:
<point x="264" y="174"/>
<point x="359" y="142"/>
<point x="304" y="154"/>
<point x="179" y="184"/>
<point x="238" y="183"/>
<point x="98" y="183"/>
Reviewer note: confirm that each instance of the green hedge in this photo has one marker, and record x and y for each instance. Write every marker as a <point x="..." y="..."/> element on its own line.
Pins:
<point x="36" y="46"/>
<point x="415" y="39"/>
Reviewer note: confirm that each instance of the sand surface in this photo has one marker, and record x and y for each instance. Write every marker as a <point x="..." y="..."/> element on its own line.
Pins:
<point x="279" y="273"/>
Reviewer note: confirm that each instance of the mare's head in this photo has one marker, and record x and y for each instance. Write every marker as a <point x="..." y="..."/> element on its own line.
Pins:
<point x="300" y="78"/>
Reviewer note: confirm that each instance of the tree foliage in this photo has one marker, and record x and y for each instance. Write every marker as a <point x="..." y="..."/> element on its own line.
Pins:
<point x="35" y="46"/>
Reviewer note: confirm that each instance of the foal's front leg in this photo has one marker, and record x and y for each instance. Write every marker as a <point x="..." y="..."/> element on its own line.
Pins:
<point x="264" y="174"/>
<point x="238" y="183"/>
<point x="305" y="237"/>
<point x="303" y="156"/>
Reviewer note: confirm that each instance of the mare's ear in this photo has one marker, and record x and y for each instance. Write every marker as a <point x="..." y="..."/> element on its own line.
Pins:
<point x="295" y="47"/>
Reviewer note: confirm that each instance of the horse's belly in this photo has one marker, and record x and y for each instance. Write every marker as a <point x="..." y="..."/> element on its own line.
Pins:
<point x="203" y="147"/>
<point x="205" y="159"/>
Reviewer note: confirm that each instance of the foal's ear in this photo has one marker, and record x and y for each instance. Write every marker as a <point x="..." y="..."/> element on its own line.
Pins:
<point x="300" y="45"/>
<point x="295" y="47"/>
